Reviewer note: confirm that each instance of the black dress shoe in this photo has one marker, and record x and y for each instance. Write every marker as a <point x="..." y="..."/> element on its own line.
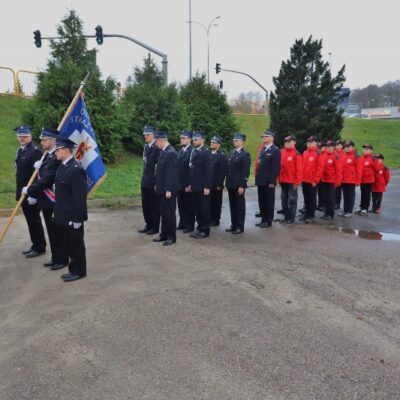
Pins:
<point x="65" y="275"/>
<point x="188" y="230"/>
<point x="194" y="234"/>
<point x="201" y="235"/>
<point x="159" y="239"/>
<point x="57" y="266"/>
<point x="264" y="224"/>
<point x="72" y="278"/>
<point x="151" y="232"/>
<point x="327" y="217"/>
<point x="48" y="264"/>
<point x="257" y="214"/>
<point x="34" y="253"/>
<point x="288" y="222"/>
<point x="280" y="212"/>
<point x="237" y="231"/>
<point x="230" y="229"/>
<point x="283" y="221"/>
<point x="25" y="252"/>
<point x="144" y="230"/>
<point x="169" y="242"/>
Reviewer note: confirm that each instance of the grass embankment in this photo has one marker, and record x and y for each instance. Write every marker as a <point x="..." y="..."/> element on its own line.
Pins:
<point x="123" y="177"/>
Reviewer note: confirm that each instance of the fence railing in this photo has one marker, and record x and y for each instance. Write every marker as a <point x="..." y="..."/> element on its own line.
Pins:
<point x="251" y="107"/>
<point x="17" y="82"/>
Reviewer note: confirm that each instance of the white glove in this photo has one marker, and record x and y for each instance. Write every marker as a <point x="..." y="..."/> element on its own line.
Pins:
<point x="37" y="164"/>
<point x="75" y="225"/>
<point x="24" y="190"/>
<point x="32" y="201"/>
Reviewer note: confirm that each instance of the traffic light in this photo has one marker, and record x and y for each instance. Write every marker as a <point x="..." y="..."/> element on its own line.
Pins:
<point x="221" y="84"/>
<point x="217" y="68"/>
<point x="99" y="34"/>
<point x="38" y="38"/>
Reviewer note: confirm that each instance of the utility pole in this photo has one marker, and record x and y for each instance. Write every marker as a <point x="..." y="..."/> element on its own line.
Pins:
<point x="190" y="40"/>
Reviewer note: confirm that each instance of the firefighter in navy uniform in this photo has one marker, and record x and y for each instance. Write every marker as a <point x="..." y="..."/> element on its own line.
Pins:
<point x="184" y="196"/>
<point x="150" y="206"/>
<point x="220" y="164"/>
<point x="70" y="209"/>
<point x="167" y="185"/>
<point x="42" y="190"/>
<point x="238" y="172"/>
<point x="200" y="184"/>
<point x="269" y="164"/>
<point x="27" y="155"/>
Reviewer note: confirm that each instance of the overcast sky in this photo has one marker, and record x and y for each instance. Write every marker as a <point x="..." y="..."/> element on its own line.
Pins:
<point x="253" y="36"/>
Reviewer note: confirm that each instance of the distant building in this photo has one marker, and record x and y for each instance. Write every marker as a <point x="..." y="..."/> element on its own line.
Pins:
<point x="382" y="112"/>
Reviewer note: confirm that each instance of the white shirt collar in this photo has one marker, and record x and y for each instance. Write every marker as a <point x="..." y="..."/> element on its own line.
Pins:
<point x="239" y="149"/>
<point x="214" y="151"/>
<point x="267" y="146"/>
<point x="65" y="161"/>
<point x="200" y="147"/>
<point x="52" y="150"/>
<point x="186" y="147"/>
<point x="151" y="143"/>
<point x="165" y="146"/>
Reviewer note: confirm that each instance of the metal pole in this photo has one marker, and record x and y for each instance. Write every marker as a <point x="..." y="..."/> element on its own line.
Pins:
<point x="208" y="56"/>
<point x="190" y="40"/>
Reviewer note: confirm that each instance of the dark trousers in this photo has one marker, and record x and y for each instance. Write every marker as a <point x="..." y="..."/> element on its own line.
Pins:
<point x="202" y="211"/>
<point x="185" y="208"/>
<point x="376" y="200"/>
<point x="151" y="209"/>
<point x="338" y="196"/>
<point x="366" y="189"/>
<point x="75" y="248"/>
<point x="57" y="246"/>
<point x="310" y="199"/>
<point x="320" y="192"/>
<point x="216" y="204"/>
<point x="289" y="197"/>
<point x="266" y="202"/>
<point x="349" y="197"/>
<point x="237" y="205"/>
<point x="329" y="193"/>
<point x="168" y="216"/>
<point x="36" y="232"/>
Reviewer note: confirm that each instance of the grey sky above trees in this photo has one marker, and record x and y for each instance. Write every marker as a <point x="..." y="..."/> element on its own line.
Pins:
<point x="252" y="36"/>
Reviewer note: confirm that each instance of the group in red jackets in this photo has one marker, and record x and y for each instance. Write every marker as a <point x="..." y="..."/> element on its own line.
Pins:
<point x="335" y="171"/>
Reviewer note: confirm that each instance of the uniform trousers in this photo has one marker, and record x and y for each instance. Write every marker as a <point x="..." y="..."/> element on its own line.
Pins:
<point x="202" y="211"/>
<point x="349" y="197"/>
<point x="216" y="204"/>
<point x="36" y="232"/>
<point x="266" y="202"/>
<point x="168" y="216"/>
<point x="185" y="208"/>
<point x="237" y="205"/>
<point x="151" y="208"/>
<point x="366" y="189"/>
<point x="376" y="200"/>
<point x="328" y="194"/>
<point x="289" y="195"/>
<point x="310" y="199"/>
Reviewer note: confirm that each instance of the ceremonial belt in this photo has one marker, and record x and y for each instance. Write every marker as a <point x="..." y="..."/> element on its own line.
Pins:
<point x="49" y="193"/>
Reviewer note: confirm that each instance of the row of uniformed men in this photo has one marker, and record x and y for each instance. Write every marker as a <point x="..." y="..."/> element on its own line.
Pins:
<point x="59" y="176"/>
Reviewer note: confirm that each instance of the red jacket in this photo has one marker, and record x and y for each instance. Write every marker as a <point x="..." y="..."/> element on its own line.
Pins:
<point x="382" y="177"/>
<point x="256" y="162"/>
<point x="310" y="165"/>
<point x="330" y="169"/>
<point x="351" y="168"/>
<point x="291" y="167"/>
<point x="368" y="169"/>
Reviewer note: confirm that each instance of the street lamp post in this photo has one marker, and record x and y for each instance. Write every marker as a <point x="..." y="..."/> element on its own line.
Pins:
<point x="207" y="31"/>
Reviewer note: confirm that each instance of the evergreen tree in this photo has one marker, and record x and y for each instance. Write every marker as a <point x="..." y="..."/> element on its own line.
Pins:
<point x="307" y="97"/>
<point x="69" y="62"/>
<point x="147" y="101"/>
<point x="208" y="109"/>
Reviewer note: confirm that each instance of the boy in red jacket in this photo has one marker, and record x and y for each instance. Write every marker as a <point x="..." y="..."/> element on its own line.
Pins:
<point x="330" y="175"/>
<point x="367" y="179"/>
<point x="351" y="177"/>
<point x="290" y="178"/>
<point x="309" y="184"/>
<point x="382" y="178"/>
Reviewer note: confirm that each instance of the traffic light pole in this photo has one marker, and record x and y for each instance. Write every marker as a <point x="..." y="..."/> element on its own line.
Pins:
<point x="254" y="80"/>
<point x="164" y="57"/>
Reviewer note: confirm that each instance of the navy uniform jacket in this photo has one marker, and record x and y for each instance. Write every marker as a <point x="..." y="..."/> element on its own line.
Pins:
<point x="238" y="169"/>
<point x="71" y="193"/>
<point x="24" y="165"/>
<point x="150" y="156"/>
<point x="220" y="165"/>
<point x="269" y="165"/>
<point x="183" y="167"/>
<point x="167" y="171"/>
<point x="200" y="170"/>
<point x="42" y="188"/>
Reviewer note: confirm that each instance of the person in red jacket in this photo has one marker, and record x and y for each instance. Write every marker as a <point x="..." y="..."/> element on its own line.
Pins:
<point x="320" y="194"/>
<point x="367" y="179"/>
<point x="290" y="177"/>
<point x="309" y="183"/>
<point x="340" y="153"/>
<point x="330" y="176"/>
<point x="351" y="177"/>
<point x="382" y="178"/>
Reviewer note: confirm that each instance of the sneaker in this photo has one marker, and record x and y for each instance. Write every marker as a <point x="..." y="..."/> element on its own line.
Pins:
<point x="347" y="215"/>
<point x="327" y="217"/>
<point x="341" y="214"/>
<point x="358" y="212"/>
<point x="364" y="213"/>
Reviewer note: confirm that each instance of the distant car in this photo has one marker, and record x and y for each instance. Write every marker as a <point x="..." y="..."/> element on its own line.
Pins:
<point x="358" y="115"/>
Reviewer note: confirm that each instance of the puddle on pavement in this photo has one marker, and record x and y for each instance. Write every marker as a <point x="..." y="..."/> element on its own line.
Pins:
<point x="370" y="235"/>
